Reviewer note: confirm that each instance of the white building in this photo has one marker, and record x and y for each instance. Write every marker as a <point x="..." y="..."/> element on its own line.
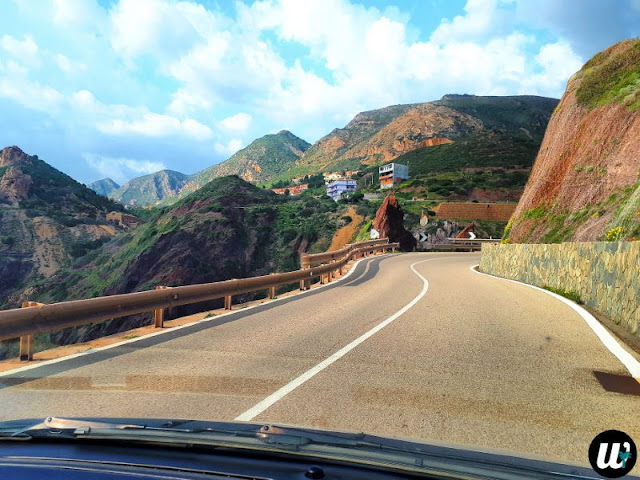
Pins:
<point x="336" y="188"/>
<point x="392" y="174"/>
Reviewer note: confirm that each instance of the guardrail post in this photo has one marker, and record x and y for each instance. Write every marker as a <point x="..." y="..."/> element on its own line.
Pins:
<point x="272" y="293"/>
<point x="158" y="314"/>
<point x="26" y="341"/>
<point x="227" y="302"/>
<point x="304" y="265"/>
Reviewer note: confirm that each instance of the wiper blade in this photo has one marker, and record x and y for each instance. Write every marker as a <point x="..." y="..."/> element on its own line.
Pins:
<point x="53" y="427"/>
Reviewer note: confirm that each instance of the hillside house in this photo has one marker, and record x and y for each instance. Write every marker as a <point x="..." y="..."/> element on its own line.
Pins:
<point x="336" y="188"/>
<point x="124" y="220"/>
<point x="392" y="174"/>
<point x="293" y="189"/>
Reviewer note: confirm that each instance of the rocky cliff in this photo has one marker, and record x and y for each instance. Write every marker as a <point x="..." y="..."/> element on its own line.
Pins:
<point x="585" y="182"/>
<point x="46" y="219"/>
<point x="380" y="136"/>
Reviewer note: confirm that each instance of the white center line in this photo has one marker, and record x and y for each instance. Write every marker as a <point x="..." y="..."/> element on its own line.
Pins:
<point x="291" y="386"/>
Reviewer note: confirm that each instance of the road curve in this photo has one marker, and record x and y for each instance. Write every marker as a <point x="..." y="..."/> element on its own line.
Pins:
<point x="461" y="359"/>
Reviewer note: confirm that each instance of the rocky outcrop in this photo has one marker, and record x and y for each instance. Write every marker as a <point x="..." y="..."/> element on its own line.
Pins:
<point x="389" y="222"/>
<point x="14" y="156"/>
<point x="46" y="219"/>
<point x="14" y="185"/>
<point x="585" y="181"/>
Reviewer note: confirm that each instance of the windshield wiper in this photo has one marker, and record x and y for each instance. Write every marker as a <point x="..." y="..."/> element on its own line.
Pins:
<point x="53" y="427"/>
<point x="365" y="449"/>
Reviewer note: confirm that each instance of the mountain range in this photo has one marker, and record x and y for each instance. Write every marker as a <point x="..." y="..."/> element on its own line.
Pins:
<point x="260" y="161"/>
<point x="371" y="138"/>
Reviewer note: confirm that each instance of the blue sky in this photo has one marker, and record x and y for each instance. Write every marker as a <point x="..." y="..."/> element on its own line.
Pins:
<point x="122" y="88"/>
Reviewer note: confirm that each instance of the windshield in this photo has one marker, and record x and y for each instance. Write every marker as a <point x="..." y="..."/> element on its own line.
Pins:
<point x="411" y="219"/>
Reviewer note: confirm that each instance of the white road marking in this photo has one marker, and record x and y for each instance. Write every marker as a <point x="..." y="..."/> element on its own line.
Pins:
<point x="291" y="386"/>
<point x="629" y="362"/>
<point x="186" y="325"/>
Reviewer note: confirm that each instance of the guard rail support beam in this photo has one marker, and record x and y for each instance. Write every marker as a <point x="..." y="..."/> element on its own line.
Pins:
<point x="26" y="341"/>
<point x="158" y="314"/>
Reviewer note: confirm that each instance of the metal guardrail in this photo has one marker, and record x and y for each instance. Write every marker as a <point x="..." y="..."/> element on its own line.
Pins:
<point x="310" y="259"/>
<point x="36" y="318"/>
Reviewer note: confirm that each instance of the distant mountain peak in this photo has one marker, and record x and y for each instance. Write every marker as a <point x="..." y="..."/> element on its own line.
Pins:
<point x="104" y="187"/>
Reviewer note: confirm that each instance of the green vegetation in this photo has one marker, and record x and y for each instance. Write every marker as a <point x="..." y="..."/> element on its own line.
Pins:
<point x="227" y="229"/>
<point x="612" y="76"/>
<point x="492" y="149"/>
<point x="507" y="114"/>
<point x="535" y="213"/>
<point x="507" y="231"/>
<point x="571" y="295"/>
<point x="273" y="154"/>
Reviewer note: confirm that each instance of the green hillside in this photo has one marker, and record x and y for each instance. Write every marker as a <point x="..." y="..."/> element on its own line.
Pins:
<point x="227" y="229"/>
<point x="260" y="161"/>
<point x="493" y="149"/>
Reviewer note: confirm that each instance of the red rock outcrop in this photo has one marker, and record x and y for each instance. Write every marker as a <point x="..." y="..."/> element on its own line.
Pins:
<point x="588" y="163"/>
<point x="389" y="222"/>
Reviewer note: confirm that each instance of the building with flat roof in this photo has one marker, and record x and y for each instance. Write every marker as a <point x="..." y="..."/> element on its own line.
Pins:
<point x="392" y="174"/>
<point x="336" y="188"/>
<point x="293" y="189"/>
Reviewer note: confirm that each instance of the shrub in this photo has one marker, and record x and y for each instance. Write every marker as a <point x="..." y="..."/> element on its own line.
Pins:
<point x="571" y="295"/>
<point x="615" y="234"/>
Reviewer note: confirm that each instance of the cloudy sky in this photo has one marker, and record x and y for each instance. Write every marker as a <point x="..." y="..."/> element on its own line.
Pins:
<point x="122" y="88"/>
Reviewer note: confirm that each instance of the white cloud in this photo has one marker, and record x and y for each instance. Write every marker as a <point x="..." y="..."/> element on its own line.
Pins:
<point x="25" y="50"/>
<point x="158" y="27"/>
<point x="231" y="147"/>
<point x="67" y="65"/>
<point x="238" y="123"/>
<point x="75" y="14"/>
<point x="32" y="95"/>
<point x="478" y="21"/>
<point x="558" y="62"/>
<point x="156" y="125"/>
<point x="185" y="101"/>
<point x="121" y="169"/>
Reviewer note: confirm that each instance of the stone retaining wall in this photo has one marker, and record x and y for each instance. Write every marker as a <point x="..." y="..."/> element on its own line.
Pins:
<point x="606" y="275"/>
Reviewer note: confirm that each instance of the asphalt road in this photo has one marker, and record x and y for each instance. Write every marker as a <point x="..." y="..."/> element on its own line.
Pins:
<point x="475" y="361"/>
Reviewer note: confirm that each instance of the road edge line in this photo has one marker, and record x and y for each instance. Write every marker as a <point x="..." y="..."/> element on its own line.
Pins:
<point x="267" y="402"/>
<point x="628" y="361"/>
<point x="186" y="325"/>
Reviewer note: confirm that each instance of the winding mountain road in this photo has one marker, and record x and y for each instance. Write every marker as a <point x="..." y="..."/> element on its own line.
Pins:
<point x="411" y="345"/>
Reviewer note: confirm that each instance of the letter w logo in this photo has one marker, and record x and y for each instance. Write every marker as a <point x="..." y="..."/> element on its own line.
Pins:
<point x="614" y="456"/>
